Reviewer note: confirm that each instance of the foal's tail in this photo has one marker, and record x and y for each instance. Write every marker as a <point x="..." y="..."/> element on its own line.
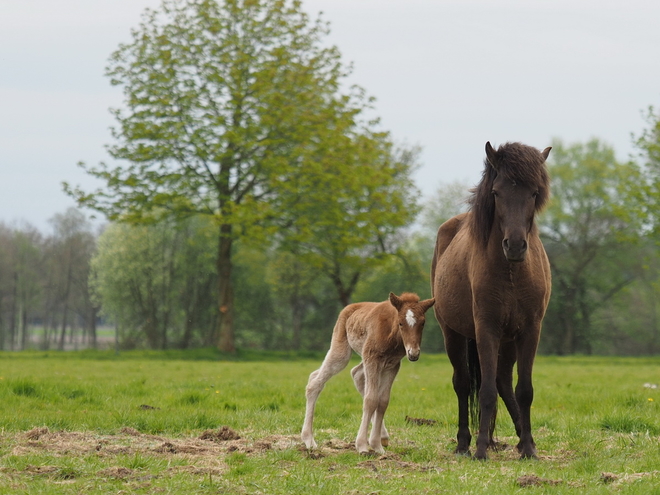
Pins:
<point x="474" y="371"/>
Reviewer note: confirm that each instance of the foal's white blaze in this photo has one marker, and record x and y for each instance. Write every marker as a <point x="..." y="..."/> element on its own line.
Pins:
<point x="410" y="318"/>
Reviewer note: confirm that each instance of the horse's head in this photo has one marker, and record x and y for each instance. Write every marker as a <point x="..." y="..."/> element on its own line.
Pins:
<point x="410" y="318"/>
<point x="519" y="189"/>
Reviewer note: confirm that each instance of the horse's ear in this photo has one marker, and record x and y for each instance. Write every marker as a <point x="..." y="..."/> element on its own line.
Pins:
<point x="546" y="152"/>
<point x="491" y="155"/>
<point x="396" y="302"/>
<point x="427" y="304"/>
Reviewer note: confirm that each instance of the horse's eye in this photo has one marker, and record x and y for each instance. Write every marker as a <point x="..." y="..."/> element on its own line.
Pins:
<point x="494" y="192"/>
<point x="535" y="194"/>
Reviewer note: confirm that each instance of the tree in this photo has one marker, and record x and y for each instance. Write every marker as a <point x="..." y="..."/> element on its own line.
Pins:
<point x="156" y="281"/>
<point x="647" y="192"/>
<point x="589" y="231"/>
<point x="68" y="254"/>
<point x="225" y="102"/>
<point x="345" y="220"/>
<point x="449" y="200"/>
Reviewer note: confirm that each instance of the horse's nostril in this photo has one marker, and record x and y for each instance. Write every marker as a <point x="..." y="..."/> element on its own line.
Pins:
<point x="505" y="243"/>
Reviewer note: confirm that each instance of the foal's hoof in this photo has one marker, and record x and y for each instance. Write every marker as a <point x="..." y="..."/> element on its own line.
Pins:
<point x="385" y="442"/>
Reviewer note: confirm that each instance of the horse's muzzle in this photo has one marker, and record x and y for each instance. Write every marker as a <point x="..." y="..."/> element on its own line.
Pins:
<point x="413" y="355"/>
<point x="514" y="251"/>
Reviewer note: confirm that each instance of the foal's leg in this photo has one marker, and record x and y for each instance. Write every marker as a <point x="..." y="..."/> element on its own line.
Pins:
<point x="335" y="361"/>
<point x="456" y="346"/>
<point x="358" y="378"/>
<point x="372" y="371"/>
<point x="526" y="347"/>
<point x="387" y="377"/>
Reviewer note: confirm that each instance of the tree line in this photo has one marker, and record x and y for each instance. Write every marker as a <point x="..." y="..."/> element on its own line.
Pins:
<point x="157" y="282"/>
<point x="252" y="195"/>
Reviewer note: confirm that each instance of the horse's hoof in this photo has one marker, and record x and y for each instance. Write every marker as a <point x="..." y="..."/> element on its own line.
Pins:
<point x="463" y="453"/>
<point x="480" y="456"/>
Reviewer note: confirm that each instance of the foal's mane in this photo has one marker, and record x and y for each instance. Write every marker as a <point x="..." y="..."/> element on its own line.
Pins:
<point x="516" y="162"/>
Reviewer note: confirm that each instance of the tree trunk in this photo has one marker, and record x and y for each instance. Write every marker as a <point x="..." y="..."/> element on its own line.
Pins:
<point x="25" y="335"/>
<point x="225" y="291"/>
<point x="14" y="313"/>
<point x="92" y="327"/>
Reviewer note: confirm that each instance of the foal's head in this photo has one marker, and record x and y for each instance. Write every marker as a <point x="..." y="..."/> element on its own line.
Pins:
<point x="411" y="320"/>
<point x="514" y="186"/>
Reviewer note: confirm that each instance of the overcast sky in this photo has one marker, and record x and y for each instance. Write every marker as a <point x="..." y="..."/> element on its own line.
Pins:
<point x="447" y="75"/>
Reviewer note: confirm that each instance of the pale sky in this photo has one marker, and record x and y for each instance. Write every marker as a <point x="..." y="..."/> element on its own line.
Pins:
<point x="447" y="75"/>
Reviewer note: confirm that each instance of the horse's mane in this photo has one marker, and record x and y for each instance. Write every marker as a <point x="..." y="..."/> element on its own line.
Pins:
<point x="517" y="162"/>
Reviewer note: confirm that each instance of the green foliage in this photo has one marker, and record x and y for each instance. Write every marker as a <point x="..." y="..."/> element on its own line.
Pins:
<point x="157" y="282"/>
<point x="234" y="109"/>
<point x="594" y="435"/>
<point x="590" y="229"/>
<point x="647" y="193"/>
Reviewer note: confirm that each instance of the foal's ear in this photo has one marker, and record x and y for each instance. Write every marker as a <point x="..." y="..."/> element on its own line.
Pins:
<point x="546" y="152"/>
<point x="491" y="155"/>
<point x="425" y="305"/>
<point x="396" y="302"/>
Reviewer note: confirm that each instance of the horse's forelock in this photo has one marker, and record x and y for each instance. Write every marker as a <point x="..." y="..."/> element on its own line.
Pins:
<point x="409" y="297"/>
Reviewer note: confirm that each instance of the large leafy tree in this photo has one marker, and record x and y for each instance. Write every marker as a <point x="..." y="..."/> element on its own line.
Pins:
<point x="225" y="102"/>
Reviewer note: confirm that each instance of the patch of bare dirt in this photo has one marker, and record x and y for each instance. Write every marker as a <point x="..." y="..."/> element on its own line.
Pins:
<point x="421" y="421"/>
<point x="533" y="480"/>
<point x="620" y="479"/>
<point x="390" y="462"/>
<point x="206" y="452"/>
<point x="222" y="435"/>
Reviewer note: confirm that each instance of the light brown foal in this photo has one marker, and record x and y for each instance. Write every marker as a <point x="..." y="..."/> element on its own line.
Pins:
<point x="382" y="334"/>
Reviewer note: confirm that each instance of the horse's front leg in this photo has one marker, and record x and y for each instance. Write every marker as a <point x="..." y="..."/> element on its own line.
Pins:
<point x="507" y="360"/>
<point x="526" y="347"/>
<point x="487" y="347"/>
<point x="369" y="406"/>
<point x="387" y="377"/>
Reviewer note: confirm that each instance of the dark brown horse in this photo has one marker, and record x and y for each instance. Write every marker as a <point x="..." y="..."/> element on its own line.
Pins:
<point x="490" y="279"/>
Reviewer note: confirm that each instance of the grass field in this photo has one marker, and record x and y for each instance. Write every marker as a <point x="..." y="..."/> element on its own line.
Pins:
<point x="190" y="423"/>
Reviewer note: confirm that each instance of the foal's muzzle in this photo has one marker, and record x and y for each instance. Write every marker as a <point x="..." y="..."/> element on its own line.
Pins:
<point x="413" y="355"/>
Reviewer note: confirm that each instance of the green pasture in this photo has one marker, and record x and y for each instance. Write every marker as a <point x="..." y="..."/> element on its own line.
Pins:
<point x="153" y="423"/>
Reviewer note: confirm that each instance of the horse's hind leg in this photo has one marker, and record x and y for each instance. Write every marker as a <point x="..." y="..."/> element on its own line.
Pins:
<point x="335" y="361"/>
<point x="358" y="378"/>
<point x="456" y="346"/>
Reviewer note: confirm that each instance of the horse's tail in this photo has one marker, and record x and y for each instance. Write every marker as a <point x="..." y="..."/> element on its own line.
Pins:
<point x="474" y="371"/>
